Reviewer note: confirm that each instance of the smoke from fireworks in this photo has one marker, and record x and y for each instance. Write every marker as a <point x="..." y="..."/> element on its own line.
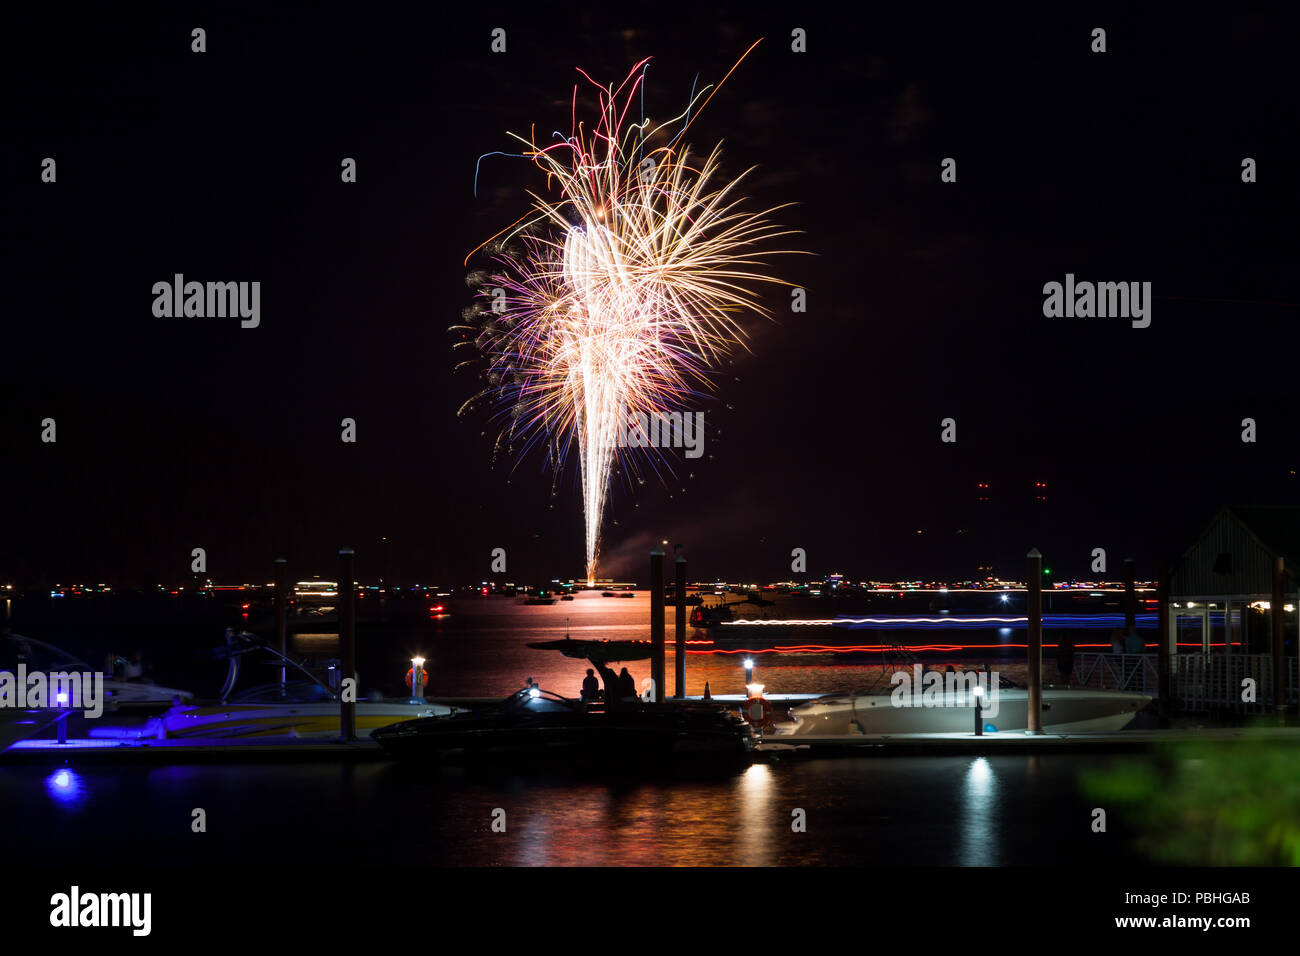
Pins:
<point x="618" y="293"/>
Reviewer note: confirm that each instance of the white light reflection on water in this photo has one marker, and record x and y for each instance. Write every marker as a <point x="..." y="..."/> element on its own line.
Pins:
<point x="979" y="844"/>
<point x="757" y="816"/>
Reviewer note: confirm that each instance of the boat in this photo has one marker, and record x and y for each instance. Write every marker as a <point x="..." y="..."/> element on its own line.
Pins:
<point x="19" y="724"/>
<point x="1065" y="710"/>
<point x="627" y="594"/>
<point x="299" y="709"/>
<point x="598" y="650"/>
<point x="139" y="695"/>
<point x="540" y="598"/>
<point x="293" y="709"/>
<point x="533" y="726"/>
<point x="710" y="615"/>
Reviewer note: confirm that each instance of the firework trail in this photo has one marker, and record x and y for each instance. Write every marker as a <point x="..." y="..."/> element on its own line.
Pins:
<point x="618" y="293"/>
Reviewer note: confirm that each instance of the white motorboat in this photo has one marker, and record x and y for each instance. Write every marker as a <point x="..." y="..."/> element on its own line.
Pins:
<point x="142" y="695"/>
<point x="1065" y="710"/>
<point x="139" y="695"/>
<point x="19" y="724"/>
<point x="296" y="709"/>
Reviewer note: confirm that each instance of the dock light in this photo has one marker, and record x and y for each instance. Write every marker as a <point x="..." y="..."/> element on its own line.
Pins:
<point x="61" y="722"/>
<point x="978" y="693"/>
<point x="749" y="669"/>
<point x="416" y="677"/>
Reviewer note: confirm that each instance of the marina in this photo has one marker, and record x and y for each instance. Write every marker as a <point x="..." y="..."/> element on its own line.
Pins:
<point x="616" y="475"/>
<point x="913" y="707"/>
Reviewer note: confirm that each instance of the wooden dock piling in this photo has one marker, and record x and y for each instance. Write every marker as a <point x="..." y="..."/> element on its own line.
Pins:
<point x="1035" y="613"/>
<point x="679" y="630"/>
<point x="1276" y="613"/>
<point x="281" y="618"/>
<point x="1163" y="682"/>
<point x="657" y="659"/>
<point x="347" y="642"/>
<point x="1130" y="604"/>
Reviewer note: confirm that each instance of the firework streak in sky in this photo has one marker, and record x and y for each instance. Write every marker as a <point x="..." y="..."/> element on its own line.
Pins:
<point x="620" y="290"/>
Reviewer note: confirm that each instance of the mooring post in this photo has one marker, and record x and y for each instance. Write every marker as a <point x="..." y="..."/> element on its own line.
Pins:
<point x="1035" y="612"/>
<point x="1130" y="603"/>
<point x="679" y="630"/>
<point x="1276" y="612"/>
<point x="657" y="659"/>
<point x="347" y="643"/>
<point x="1163" y="684"/>
<point x="281" y="618"/>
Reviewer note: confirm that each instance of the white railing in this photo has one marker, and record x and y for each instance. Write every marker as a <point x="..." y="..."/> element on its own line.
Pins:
<point x="1135" y="672"/>
<point x="1198" y="681"/>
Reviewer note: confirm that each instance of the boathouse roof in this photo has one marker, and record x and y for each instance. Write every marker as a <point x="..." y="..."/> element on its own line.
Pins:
<point x="1234" y="555"/>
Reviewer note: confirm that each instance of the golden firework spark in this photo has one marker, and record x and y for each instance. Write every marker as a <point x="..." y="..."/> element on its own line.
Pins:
<point x="619" y="292"/>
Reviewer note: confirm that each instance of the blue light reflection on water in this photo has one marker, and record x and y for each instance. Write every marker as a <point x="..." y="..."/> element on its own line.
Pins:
<point x="66" y="786"/>
<point x="897" y="810"/>
<point x="999" y="810"/>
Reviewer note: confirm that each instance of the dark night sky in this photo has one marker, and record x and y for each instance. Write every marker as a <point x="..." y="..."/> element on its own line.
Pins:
<point x="925" y="299"/>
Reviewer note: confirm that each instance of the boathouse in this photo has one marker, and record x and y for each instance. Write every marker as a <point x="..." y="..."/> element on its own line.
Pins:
<point x="1220" y="607"/>
<point x="1221" y="589"/>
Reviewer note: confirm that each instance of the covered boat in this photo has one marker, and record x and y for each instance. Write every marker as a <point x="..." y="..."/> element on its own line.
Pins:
<point x="533" y="726"/>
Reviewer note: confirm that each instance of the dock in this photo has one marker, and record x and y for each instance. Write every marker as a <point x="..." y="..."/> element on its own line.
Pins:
<point x="1012" y="742"/>
<point x="189" y="750"/>
<point x="224" y="749"/>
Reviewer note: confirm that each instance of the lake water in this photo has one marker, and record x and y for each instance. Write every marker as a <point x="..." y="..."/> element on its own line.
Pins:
<point x="912" y="810"/>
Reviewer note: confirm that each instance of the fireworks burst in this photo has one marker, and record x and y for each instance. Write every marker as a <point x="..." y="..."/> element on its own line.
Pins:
<point x="618" y="293"/>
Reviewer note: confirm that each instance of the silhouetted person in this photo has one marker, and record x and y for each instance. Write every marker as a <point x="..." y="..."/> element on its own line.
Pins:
<point x="626" y="686"/>
<point x="1065" y="658"/>
<point x="611" y="680"/>
<point x="590" y="686"/>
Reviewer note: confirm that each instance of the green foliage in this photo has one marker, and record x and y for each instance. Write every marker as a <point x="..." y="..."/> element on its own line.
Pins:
<point x="1209" y="803"/>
